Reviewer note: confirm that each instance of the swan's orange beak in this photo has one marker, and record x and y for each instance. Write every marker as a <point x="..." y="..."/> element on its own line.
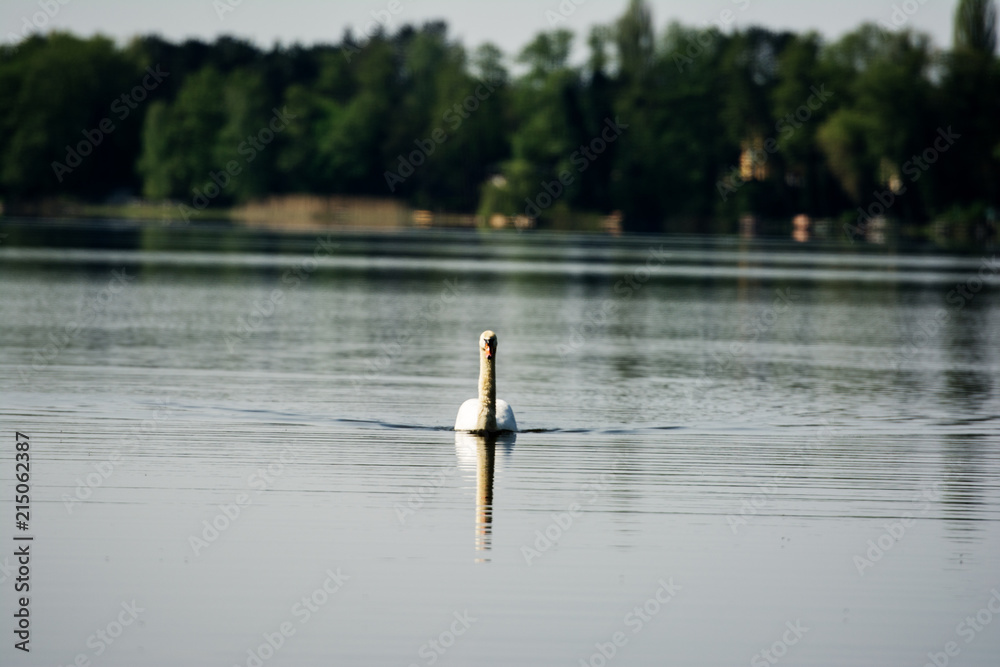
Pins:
<point x="489" y="348"/>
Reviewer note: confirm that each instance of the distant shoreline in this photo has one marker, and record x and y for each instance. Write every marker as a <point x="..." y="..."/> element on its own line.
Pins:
<point x="301" y="213"/>
<point x="278" y="218"/>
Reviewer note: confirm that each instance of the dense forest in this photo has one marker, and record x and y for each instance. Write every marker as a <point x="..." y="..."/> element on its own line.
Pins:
<point x="681" y="128"/>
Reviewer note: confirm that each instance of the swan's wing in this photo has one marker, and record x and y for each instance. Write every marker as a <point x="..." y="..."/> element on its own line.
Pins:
<point x="468" y="415"/>
<point x="505" y="416"/>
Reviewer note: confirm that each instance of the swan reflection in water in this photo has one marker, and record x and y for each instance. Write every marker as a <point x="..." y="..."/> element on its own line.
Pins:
<point x="478" y="452"/>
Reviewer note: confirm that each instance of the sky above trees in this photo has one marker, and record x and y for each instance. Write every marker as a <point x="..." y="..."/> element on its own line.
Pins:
<point x="510" y="24"/>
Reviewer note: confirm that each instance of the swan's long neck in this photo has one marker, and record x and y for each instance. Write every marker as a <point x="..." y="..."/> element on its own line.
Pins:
<point x="488" y="390"/>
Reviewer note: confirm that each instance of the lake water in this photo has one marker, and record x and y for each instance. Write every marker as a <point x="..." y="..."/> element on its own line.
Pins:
<point x="241" y="450"/>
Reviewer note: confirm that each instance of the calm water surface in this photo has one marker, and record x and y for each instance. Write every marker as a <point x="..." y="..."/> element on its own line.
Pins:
<point x="725" y="451"/>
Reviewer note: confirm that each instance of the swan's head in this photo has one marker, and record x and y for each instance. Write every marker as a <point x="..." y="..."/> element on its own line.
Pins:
<point x="488" y="344"/>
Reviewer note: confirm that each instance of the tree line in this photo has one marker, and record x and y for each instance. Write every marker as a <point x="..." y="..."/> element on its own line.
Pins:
<point x="682" y="128"/>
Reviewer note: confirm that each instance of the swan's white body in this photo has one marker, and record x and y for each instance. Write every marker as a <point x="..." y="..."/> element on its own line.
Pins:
<point x="468" y="416"/>
<point x="486" y="413"/>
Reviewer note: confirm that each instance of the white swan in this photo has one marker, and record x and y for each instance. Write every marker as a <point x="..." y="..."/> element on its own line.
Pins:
<point x="486" y="413"/>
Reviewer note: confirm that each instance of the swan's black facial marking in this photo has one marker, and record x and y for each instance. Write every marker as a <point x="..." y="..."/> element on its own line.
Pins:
<point x="488" y="343"/>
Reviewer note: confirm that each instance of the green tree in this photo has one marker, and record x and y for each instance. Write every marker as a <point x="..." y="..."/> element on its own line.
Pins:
<point x="636" y="42"/>
<point x="459" y="132"/>
<point x="341" y="144"/>
<point x="544" y="104"/>
<point x="179" y="139"/>
<point x="57" y="90"/>
<point x="801" y="163"/>
<point x="309" y="158"/>
<point x="666" y="161"/>
<point x="969" y="95"/>
<point x="246" y="137"/>
<point x="844" y="141"/>
<point x="976" y="26"/>
<point x="885" y="118"/>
